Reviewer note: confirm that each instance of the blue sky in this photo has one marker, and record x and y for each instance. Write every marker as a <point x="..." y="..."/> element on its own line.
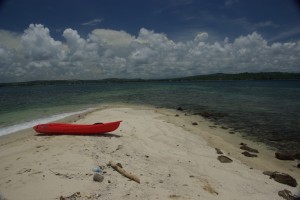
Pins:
<point x="94" y="39"/>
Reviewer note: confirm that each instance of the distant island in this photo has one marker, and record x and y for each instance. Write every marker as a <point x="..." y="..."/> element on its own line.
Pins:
<point x="210" y="77"/>
<point x="246" y="76"/>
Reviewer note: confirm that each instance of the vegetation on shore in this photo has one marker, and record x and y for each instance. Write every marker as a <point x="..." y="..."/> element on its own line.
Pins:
<point x="246" y="76"/>
<point x="210" y="77"/>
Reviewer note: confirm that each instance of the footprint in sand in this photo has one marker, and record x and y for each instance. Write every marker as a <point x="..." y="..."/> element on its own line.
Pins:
<point x="206" y="185"/>
<point x="29" y="171"/>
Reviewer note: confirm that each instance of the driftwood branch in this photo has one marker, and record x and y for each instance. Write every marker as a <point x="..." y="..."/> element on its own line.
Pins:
<point x="59" y="174"/>
<point x="119" y="169"/>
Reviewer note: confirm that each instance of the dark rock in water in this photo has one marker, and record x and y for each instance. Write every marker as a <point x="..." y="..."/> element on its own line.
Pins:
<point x="297" y="156"/>
<point x="298" y="165"/>
<point x="205" y="114"/>
<point x="180" y="109"/>
<point x="286" y="194"/>
<point x="247" y="154"/>
<point x="210" y="115"/>
<point x="246" y="148"/>
<point x="283" y="156"/>
<point x="218" y="151"/>
<point x="224" y="159"/>
<point x="195" y="123"/>
<point x="98" y="177"/>
<point x="284" y="179"/>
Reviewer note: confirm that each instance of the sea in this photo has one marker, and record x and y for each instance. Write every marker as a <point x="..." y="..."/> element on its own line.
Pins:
<point x="264" y="111"/>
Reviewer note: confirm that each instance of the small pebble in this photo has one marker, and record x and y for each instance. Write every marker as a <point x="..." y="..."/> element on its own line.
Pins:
<point x="98" y="177"/>
<point x="97" y="169"/>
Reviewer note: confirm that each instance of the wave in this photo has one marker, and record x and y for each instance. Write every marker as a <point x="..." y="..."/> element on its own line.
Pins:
<point x="25" y="125"/>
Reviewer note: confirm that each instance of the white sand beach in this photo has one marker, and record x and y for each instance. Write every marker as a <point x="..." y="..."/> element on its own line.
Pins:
<point x="173" y="159"/>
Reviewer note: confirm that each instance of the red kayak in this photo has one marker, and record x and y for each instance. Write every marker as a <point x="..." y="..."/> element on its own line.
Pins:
<point x="76" y="129"/>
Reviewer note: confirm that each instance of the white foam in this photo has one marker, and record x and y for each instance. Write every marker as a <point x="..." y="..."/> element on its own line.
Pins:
<point x="22" y="126"/>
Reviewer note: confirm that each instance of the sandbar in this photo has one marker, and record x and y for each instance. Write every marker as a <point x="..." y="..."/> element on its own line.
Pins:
<point x="174" y="158"/>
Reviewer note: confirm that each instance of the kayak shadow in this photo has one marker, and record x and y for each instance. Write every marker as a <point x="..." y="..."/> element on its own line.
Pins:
<point x="109" y="135"/>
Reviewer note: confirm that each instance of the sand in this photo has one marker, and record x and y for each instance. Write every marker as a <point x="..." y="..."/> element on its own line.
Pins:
<point x="172" y="158"/>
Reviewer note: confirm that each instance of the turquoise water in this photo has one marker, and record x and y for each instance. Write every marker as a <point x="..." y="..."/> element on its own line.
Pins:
<point x="268" y="111"/>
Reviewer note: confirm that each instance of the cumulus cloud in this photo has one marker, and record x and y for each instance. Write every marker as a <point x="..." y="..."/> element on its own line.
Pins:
<point x="39" y="45"/>
<point x="113" y="43"/>
<point x="76" y="45"/>
<point x="106" y="53"/>
<point x="10" y="40"/>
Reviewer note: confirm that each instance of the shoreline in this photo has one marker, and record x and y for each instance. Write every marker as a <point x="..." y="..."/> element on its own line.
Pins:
<point x="52" y="118"/>
<point x="96" y="149"/>
<point x="217" y="137"/>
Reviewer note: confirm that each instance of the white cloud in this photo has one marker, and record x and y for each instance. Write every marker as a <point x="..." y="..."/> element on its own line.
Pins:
<point x="74" y="41"/>
<point x="76" y="45"/>
<point x="266" y="24"/>
<point x="39" y="45"/>
<point x="10" y="40"/>
<point x="142" y="55"/>
<point x="115" y="43"/>
<point x="286" y="34"/>
<point x="92" y="22"/>
<point x="109" y="53"/>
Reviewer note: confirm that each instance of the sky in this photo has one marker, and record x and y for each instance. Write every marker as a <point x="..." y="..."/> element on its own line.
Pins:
<point x="98" y="39"/>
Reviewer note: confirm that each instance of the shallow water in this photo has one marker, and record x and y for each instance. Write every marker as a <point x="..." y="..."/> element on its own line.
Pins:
<point x="268" y="111"/>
